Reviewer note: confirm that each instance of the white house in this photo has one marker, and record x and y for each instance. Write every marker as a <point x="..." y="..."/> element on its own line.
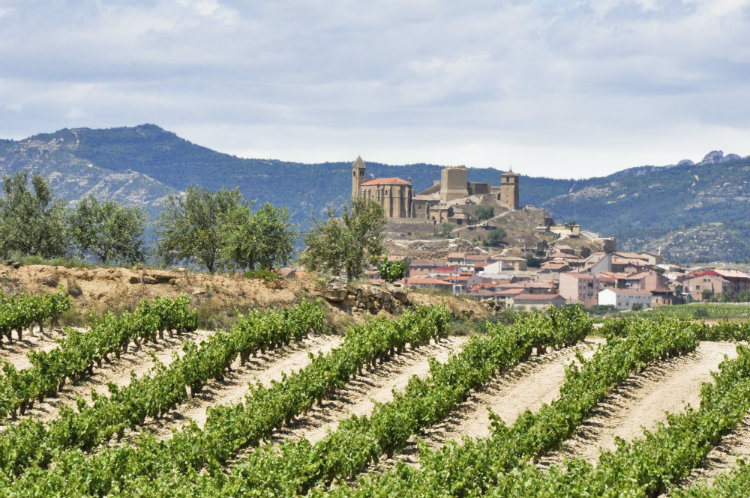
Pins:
<point x="624" y="299"/>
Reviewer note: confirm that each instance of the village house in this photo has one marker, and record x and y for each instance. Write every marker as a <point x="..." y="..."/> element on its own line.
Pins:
<point x="715" y="282"/>
<point x="532" y="302"/>
<point x="624" y="299"/>
<point x="579" y="288"/>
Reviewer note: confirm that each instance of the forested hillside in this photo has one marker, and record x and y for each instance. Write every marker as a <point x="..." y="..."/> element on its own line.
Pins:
<point x="692" y="211"/>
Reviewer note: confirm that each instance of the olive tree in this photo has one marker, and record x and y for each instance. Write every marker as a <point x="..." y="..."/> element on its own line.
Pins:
<point x="31" y="221"/>
<point x="190" y="228"/>
<point x="259" y="240"/>
<point x="108" y="230"/>
<point x="348" y="243"/>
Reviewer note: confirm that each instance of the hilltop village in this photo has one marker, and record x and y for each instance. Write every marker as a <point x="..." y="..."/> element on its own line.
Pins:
<point x="537" y="263"/>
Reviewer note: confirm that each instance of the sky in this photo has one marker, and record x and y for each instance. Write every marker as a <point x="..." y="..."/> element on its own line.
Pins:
<point x="565" y="89"/>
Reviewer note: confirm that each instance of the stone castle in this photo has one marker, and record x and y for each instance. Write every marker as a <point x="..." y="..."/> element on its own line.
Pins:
<point x="438" y="203"/>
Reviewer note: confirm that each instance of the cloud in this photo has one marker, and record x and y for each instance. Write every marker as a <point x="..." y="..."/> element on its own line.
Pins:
<point x="434" y="81"/>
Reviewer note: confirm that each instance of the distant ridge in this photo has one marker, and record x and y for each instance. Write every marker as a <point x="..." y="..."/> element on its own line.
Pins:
<point x="691" y="211"/>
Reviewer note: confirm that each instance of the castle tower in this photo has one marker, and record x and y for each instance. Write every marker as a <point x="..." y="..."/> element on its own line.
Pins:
<point x="453" y="183"/>
<point x="359" y="170"/>
<point x="509" y="190"/>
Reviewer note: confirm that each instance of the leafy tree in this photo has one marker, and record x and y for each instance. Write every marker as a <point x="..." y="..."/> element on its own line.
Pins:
<point x="496" y="236"/>
<point x="31" y="221"/>
<point x="260" y="240"/>
<point x="569" y="225"/>
<point x="347" y="243"/>
<point x="190" y="228"/>
<point x="107" y="230"/>
<point x="390" y="271"/>
<point x="447" y="229"/>
<point x="485" y="212"/>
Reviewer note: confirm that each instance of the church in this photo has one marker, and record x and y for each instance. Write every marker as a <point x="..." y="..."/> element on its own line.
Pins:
<point x="435" y="203"/>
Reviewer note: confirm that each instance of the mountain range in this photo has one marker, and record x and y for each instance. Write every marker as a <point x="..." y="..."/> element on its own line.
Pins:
<point x="691" y="212"/>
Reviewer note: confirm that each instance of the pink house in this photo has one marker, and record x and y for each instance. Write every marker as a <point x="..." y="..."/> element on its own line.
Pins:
<point x="579" y="288"/>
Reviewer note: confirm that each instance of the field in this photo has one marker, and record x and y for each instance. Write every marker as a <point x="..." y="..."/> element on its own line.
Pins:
<point x="146" y="404"/>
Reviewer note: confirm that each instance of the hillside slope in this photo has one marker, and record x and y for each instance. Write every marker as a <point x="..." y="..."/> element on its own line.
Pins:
<point x="691" y="211"/>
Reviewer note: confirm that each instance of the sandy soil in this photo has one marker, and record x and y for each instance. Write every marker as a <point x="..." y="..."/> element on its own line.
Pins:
<point x="394" y="376"/>
<point x="357" y="395"/>
<point x="106" y="289"/>
<point x="232" y="390"/>
<point x="117" y="371"/>
<point x="526" y="387"/>
<point x="642" y="400"/>
<point x="16" y="351"/>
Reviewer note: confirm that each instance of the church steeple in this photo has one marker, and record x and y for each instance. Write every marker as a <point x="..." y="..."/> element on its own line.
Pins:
<point x="359" y="170"/>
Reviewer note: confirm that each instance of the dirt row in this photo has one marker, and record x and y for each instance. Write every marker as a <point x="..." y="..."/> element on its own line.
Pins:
<point x="15" y="352"/>
<point x="358" y="395"/>
<point x="641" y="402"/>
<point x="116" y="371"/>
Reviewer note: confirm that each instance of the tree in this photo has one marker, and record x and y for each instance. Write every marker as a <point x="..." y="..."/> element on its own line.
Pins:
<point x="347" y="243"/>
<point x="496" y="236"/>
<point x="485" y="212"/>
<point x="31" y="222"/>
<point x="108" y="231"/>
<point x="190" y="228"/>
<point x="261" y="240"/>
<point x="390" y="271"/>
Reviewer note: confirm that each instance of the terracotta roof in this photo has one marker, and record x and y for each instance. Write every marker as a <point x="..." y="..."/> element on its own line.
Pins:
<point x="481" y="264"/>
<point x="443" y="269"/>
<point x="460" y="255"/>
<point x="536" y="297"/>
<point x="660" y="290"/>
<point x="425" y="281"/>
<point x="732" y="274"/>
<point x="386" y="181"/>
<point x="512" y="292"/>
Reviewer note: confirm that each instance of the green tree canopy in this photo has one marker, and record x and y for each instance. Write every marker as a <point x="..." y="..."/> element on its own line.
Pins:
<point x="485" y="212"/>
<point x="31" y="221"/>
<point x="107" y="230"/>
<point x="190" y="227"/>
<point x="496" y="236"/>
<point x="348" y="243"/>
<point x="260" y="240"/>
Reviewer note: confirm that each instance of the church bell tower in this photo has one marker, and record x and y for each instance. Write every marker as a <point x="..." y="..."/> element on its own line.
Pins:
<point x="359" y="170"/>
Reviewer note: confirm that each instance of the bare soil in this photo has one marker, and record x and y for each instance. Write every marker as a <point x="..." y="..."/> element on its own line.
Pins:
<point x="116" y="371"/>
<point x="642" y="400"/>
<point x="264" y="368"/>
<point x="358" y="394"/>
<point x="15" y="352"/>
<point x="526" y="387"/>
<point x="394" y="376"/>
<point x="111" y="289"/>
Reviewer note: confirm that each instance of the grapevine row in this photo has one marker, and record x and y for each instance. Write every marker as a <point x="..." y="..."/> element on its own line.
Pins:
<point x="295" y="467"/>
<point x="78" y="351"/>
<point x="649" y="466"/>
<point x="21" y="311"/>
<point x="33" y="442"/>
<point x="229" y="429"/>
<point x="728" y="485"/>
<point x="474" y="467"/>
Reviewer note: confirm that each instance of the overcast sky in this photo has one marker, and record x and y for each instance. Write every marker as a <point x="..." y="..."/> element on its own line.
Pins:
<point x="553" y="88"/>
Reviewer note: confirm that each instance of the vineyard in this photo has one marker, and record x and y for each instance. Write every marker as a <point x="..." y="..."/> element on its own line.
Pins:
<point x="143" y="403"/>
